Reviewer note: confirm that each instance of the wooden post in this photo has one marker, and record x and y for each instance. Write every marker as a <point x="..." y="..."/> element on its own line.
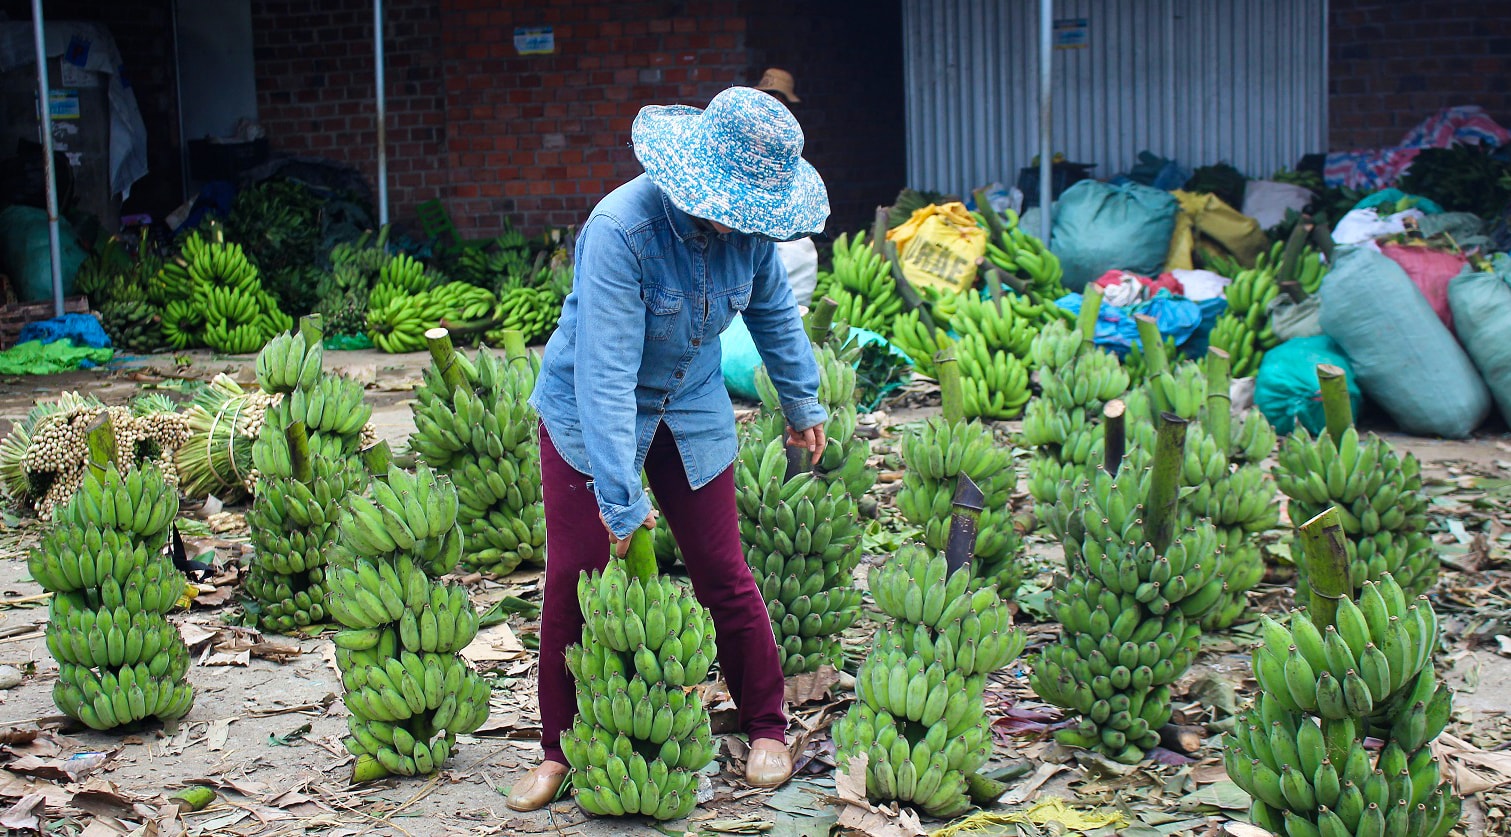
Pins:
<point x="1326" y="555"/>
<point x="1114" y="435"/>
<point x="1164" y="483"/>
<point x="1332" y="382"/>
<point x="1219" y="402"/>
<point x="298" y="438"/>
<point x="443" y="353"/>
<point x="821" y="320"/>
<point x="1152" y="343"/>
<point x="951" y="393"/>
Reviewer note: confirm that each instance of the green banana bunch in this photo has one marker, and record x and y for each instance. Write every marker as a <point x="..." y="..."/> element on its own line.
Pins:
<point x="409" y="693"/>
<point x="1299" y="751"/>
<point x="994" y="383"/>
<point x="998" y="322"/>
<point x="1310" y="270"/>
<point x="291" y="361"/>
<point x="532" y="312"/>
<point x="1022" y="255"/>
<point x="1062" y="426"/>
<point x="801" y="539"/>
<point x="936" y="453"/>
<point x="1244" y="331"/>
<point x="120" y="661"/>
<point x="133" y="326"/>
<point x="845" y="458"/>
<point x="482" y="435"/>
<point x="1378" y="495"/>
<point x="918" y="716"/>
<point x="640" y="736"/>
<point x="463" y="301"/>
<point x="1130" y="614"/>
<point x="918" y="342"/>
<point x="182" y="323"/>
<point x="860" y="281"/>
<point x="398" y="325"/>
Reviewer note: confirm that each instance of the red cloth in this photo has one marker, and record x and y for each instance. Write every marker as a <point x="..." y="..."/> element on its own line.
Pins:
<point x="706" y="523"/>
<point x="1151" y="286"/>
<point x="1430" y="271"/>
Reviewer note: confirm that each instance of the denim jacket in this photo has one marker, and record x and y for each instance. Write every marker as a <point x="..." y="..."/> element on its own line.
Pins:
<point x="638" y="344"/>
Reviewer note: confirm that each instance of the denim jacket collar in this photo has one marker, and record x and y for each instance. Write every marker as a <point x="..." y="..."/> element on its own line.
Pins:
<point x="683" y="225"/>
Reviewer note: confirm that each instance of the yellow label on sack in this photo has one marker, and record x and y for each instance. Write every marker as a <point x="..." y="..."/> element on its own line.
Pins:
<point x="939" y="245"/>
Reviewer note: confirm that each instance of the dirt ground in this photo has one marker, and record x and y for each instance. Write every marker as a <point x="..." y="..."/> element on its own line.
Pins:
<point x="267" y="723"/>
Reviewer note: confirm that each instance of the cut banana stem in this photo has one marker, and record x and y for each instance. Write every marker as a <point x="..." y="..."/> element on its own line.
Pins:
<point x="378" y="458"/>
<point x="1152" y="344"/>
<point x="1338" y="410"/>
<point x="1164" y="482"/>
<point x="1091" y="309"/>
<point x="821" y="320"/>
<point x="100" y="439"/>
<point x="1114" y="435"/>
<point x="298" y="438"/>
<point x="951" y="393"/>
<point x="1219" y="418"/>
<point x="968" y="504"/>
<point x="1325" y="551"/>
<point x="444" y="354"/>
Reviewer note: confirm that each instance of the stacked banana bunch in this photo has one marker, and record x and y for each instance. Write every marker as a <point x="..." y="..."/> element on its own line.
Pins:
<point x="1130" y="611"/>
<point x="801" y="538"/>
<point x="401" y="307"/>
<point x="224" y="421"/>
<point x="918" y="341"/>
<point x="860" y="281"/>
<point x="1378" y="494"/>
<point x="44" y="459"/>
<point x="221" y="290"/>
<point x="1019" y="254"/>
<point x="993" y="342"/>
<point x="1226" y="481"/>
<point x="482" y="435"/>
<point x="409" y="692"/>
<point x="994" y="382"/>
<point x="1310" y="270"/>
<point x="918" y="715"/>
<point x="1299" y="751"/>
<point x="133" y="325"/>
<point x="531" y="311"/>
<point x="119" y="658"/>
<point x="1062" y="425"/>
<point x="1244" y="331"/>
<point x="801" y="534"/>
<point x="294" y="510"/>
<point x="342" y="292"/>
<point x="462" y="302"/>
<point x="936" y="454"/>
<point x="641" y="733"/>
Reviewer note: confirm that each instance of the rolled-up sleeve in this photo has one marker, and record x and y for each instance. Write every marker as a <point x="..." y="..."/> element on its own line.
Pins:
<point x="777" y="330"/>
<point x="611" y="320"/>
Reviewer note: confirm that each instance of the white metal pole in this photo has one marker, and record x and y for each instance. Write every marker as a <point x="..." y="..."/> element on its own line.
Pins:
<point x="54" y="239"/>
<point x="1046" y="138"/>
<point x="382" y="114"/>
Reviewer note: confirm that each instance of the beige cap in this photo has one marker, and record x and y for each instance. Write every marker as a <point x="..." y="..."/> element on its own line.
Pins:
<point x="779" y="81"/>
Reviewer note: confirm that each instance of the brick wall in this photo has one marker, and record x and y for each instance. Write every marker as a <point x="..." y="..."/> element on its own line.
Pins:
<point x="316" y="95"/>
<point x="847" y="60"/>
<point x="541" y="138"/>
<point x="143" y="33"/>
<point x="1393" y="63"/>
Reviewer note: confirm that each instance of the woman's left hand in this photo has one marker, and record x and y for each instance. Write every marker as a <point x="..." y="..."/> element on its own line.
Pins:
<point x="812" y="439"/>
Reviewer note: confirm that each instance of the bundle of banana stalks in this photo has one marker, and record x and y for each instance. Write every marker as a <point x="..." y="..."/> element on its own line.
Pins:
<point x="120" y="660"/>
<point x="641" y="733"/>
<point x="1140" y="577"/>
<point x="409" y="691"/>
<point x="1351" y="666"/>
<point x="1376" y="491"/>
<point x="474" y="423"/>
<point x="224" y="421"/>
<point x="918" y="726"/>
<point x="45" y="458"/>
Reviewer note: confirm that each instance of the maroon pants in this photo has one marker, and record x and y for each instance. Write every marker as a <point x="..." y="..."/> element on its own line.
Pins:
<point x="706" y="526"/>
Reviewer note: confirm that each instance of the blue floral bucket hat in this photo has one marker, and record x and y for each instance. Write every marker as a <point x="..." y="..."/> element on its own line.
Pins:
<point x="739" y="163"/>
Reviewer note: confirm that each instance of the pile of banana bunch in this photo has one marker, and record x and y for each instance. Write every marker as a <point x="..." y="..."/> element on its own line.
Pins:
<point x="474" y="424"/>
<point x="224" y="421"/>
<point x="1300" y="752"/>
<point x="1062" y="425"/>
<point x="1244" y="331"/>
<point x="400" y="307"/>
<point x="936" y="454"/>
<point x="461" y="302"/>
<point x="992" y="340"/>
<point x="532" y="311"/>
<point x="409" y="692"/>
<point x="306" y="465"/>
<point x="1310" y="270"/>
<point x="342" y="291"/>
<point x="1223" y="473"/>
<point x="861" y="284"/>
<point x="801" y="533"/>
<point x="1378" y="495"/>
<point x="221" y="301"/>
<point x="44" y="458"/>
<point x="133" y="325"/>
<point x="641" y="733"/>
<point x="1012" y="250"/>
<point x="801" y="526"/>
<point x="918" y="715"/>
<point x="1141" y="576"/>
<point x="119" y="658"/>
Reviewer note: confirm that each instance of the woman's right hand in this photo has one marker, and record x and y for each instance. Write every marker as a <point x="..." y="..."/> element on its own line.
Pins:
<point x="622" y="547"/>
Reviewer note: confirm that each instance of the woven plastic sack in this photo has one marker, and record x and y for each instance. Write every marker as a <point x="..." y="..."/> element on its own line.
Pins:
<point x="1482" y="309"/>
<point x="1406" y="360"/>
<point x="1430" y="271"/>
<point x="26" y="254"/>
<point x="1286" y="389"/>
<point x="939" y="245"/>
<point x="1100" y="227"/>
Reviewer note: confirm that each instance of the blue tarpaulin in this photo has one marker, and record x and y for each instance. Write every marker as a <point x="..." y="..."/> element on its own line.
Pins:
<point x="1117" y="329"/>
<point x="83" y="329"/>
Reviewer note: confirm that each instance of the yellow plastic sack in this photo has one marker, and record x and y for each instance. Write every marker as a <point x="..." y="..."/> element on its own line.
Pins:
<point x="939" y="245"/>
<point x="1208" y="217"/>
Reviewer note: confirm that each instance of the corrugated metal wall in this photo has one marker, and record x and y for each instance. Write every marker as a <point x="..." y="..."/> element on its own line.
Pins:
<point x="1243" y="81"/>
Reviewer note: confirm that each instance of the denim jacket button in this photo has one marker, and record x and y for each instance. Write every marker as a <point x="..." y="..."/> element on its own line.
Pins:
<point x="697" y="342"/>
<point x="677" y="374"/>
